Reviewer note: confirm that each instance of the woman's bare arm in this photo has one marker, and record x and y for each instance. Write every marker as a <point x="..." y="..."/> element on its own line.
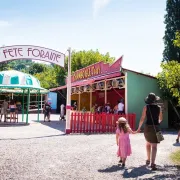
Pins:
<point x="160" y="116"/>
<point x="142" y="118"/>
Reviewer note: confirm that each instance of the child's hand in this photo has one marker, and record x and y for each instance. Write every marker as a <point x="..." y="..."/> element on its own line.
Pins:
<point x="135" y="132"/>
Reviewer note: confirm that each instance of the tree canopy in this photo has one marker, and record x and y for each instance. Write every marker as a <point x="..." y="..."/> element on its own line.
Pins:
<point x="169" y="78"/>
<point x="82" y="59"/>
<point x="172" y="22"/>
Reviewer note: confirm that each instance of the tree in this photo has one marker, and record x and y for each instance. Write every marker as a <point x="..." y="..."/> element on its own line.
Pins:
<point x="177" y="40"/>
<point x="37" y="68"/>
<point x="4" y="66"/>
<point x="172" y="21"/>
<point x="47" y="78"/>
<point x="82" y="59"/>
<point x="169" y="78"/>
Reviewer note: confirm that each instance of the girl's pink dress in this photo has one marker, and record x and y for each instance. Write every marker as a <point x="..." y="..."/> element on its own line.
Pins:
<point x="124" y="147"/>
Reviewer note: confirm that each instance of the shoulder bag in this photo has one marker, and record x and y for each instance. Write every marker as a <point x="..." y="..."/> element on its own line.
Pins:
<point x="159" y="134"/>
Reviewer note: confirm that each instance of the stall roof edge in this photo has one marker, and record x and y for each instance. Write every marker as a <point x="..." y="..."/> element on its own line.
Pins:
<point x="150" y="76"/>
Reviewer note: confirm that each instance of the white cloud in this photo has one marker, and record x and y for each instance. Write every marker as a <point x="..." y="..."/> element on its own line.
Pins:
<point x="98" y="5"/>
<point x="4" y="23"/>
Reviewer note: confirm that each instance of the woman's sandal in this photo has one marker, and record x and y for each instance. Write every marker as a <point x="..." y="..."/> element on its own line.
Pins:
<point x="147" y="162"/>
<point x="153" y="167"/>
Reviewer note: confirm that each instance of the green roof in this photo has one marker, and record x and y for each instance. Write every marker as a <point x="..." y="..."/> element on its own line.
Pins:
<point x="17" y="81"/>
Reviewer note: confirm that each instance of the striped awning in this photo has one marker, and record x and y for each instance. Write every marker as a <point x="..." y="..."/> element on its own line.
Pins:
<point x="18" y="80"/>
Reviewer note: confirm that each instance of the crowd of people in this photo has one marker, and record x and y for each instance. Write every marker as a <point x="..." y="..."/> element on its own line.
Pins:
<point x="109" y="109"/>
<point x="12" y="107"/>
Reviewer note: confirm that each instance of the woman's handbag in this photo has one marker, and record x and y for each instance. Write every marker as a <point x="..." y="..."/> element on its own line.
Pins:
<point x="159" y="134"/>
<point x="160" y="137"/>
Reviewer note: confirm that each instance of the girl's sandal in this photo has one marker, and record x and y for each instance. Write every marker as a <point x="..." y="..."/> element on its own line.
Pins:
<point x="153" y="167"/>
<point x="147" y="162"/>
<point x="123" y="164"/>
<point x="120" y="161"/>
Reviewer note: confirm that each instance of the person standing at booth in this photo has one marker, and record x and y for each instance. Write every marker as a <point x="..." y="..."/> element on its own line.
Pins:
<point x="12" y="107"/>
<point x="47" y="111"/>
<point x="75" y="106"/>
<point x="121" y="107"/>
<point x="62" y="109"/>
<point x="4" y="108"/>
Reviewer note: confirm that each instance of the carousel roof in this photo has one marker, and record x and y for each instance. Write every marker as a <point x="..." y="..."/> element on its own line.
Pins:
<point x="17" y="81"/>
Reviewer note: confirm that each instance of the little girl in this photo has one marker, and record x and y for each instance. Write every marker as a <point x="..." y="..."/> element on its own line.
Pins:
<point x="122" y="140"/>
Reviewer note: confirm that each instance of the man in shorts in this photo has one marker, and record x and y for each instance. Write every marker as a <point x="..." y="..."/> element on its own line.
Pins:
<point x="4" y="108"/>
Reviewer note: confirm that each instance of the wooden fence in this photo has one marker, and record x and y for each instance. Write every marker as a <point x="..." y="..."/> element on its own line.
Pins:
<point x="98" y="123"/>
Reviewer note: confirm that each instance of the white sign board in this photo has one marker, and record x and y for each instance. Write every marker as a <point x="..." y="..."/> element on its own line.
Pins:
<point x="31" y="52"/>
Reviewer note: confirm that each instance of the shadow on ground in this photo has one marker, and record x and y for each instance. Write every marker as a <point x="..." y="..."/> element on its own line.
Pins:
<point x="172" y="172"/>
<point x="58" y="125"/>
<point x="176" y="144"/>
<point x="10" y="124"/>
<point x="38" y="137"/>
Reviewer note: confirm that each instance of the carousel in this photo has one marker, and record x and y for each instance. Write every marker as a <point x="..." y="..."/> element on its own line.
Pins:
<point x="21" y="87"/>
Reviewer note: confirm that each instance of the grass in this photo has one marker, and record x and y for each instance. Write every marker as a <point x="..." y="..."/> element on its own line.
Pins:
<point x="175" y="157"/>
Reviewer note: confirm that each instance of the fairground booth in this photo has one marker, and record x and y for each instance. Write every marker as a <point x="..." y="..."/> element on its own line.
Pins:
<point x="26" y="92"/>
<point x="103" y="83"/>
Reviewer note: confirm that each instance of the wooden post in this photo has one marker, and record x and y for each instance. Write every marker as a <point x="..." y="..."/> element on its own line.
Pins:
<point x="38" y="104"/>
<point x="41" y="102"/>
<point x="28" y="101"/>
<point x="105" y="91"/>
<point x="90" y="100"/>
<point x="79" y="101"/>
<point x="23" y="106"/>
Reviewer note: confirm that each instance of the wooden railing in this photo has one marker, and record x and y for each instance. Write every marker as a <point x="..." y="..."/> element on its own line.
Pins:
<point x="98" y="123"/>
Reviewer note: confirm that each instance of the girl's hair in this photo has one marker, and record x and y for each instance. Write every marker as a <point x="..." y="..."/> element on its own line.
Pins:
<point x="123" y="126"/>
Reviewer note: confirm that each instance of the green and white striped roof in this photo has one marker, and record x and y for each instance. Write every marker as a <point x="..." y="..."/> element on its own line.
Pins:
<point x="18" y="80"/>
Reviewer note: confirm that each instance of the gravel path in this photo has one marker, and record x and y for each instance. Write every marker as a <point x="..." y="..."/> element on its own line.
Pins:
<point x="42" y="151"/>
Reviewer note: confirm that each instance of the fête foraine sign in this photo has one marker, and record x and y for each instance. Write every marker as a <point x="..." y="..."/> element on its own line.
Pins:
<point x="31" y="52"/>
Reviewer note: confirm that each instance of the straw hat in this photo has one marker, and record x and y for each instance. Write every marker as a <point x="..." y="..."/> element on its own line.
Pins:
<point x="151" y="98"/>
<point x="121" y="120"/>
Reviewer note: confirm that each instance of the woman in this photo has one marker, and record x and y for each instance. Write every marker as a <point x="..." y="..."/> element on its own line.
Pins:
<point x="153" y="114"/>
<point x="47" y="111"/>
<point x="12" y="107"/>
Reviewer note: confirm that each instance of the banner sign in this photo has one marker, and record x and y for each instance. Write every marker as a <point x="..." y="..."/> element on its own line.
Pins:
<point x="87" y="72"/>
<point x="31" y="52"/>
<point x="97" y="69"/>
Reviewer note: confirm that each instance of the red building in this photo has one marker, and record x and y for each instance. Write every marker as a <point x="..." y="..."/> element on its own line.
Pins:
<point x="99" y="84"/>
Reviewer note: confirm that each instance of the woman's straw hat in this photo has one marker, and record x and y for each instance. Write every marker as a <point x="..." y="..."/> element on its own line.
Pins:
<point x="121" y="120"/>
<point x="151" y="98"/>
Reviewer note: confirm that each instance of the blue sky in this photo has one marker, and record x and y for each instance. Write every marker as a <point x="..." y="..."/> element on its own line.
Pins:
<point x="133" y="28"/>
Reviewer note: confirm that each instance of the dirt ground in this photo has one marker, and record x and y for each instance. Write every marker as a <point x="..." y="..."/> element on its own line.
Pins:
<point x="41" y="151"/>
